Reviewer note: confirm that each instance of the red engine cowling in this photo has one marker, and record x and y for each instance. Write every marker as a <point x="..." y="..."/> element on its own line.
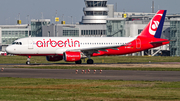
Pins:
<point x="54" y="58"/>
<point x="72" y="56"/>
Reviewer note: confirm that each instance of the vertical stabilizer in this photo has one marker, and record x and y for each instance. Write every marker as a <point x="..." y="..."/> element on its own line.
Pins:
<point x="155" y="26"/>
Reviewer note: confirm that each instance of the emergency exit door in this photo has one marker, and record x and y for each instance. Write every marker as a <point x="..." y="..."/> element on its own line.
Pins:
<point x="30" y="44"/>
<point x="138" y="43"/>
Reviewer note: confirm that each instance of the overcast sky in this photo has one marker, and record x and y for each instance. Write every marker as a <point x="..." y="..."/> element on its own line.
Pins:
<point x="10" y="9"/>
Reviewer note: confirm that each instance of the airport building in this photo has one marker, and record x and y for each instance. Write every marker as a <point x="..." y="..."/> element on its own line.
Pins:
<point x="9" y="33"/>
<point x="175" y="37"/>
<point x="95" y="12"/>
<point x="99" y="20"/>
<point x="93" y="22"/>
<point x="36" y="26"/>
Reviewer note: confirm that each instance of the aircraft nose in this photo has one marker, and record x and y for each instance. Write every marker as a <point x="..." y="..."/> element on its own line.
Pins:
<point x="9" y="49"/>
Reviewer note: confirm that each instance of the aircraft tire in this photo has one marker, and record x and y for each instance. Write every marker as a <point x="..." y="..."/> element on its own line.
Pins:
<point x="90" y="61"/>
<point x="28" y="63"/>
<point x="78" y="62"/>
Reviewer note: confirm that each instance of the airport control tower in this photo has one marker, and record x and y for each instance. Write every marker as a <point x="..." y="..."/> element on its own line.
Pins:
<point x="95" y="12"/>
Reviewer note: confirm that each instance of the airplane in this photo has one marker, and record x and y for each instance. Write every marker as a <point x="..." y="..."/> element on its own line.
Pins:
<point x="73" y="49"/>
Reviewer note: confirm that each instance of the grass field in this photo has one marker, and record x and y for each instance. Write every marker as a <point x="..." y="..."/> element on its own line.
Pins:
<point x="29" y="89"/>
<point x="104" y="59"/>
<point x="20" y="89"/>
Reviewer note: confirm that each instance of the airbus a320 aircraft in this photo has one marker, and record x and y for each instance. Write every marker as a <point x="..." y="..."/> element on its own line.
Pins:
<point x="73" y="49"/>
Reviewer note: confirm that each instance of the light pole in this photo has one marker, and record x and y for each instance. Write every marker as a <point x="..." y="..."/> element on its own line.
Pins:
<point x="28" y="24"/>
<point x="56" y="20"/>
<point x="72" y="19"/>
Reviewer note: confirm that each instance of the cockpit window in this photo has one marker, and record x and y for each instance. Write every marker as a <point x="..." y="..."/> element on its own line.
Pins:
<point x="17" y="43"/>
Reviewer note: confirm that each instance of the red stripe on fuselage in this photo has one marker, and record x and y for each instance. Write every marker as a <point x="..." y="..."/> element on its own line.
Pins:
<point x="132" y="47"/>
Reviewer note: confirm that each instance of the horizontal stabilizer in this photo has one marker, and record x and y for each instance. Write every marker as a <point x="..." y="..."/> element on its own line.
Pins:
<point x="159" y="42"/>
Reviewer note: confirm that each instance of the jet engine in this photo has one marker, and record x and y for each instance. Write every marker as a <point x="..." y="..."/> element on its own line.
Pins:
<point x="54" y="58"/>
<point x="72" y="56"/>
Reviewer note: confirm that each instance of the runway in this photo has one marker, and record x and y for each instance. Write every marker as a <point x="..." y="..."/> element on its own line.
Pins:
<point x="104" y="75"/>
<point x="114" y="65"/>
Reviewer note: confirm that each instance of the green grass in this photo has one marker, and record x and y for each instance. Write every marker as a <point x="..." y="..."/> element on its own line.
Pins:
<point x="28" y="89"/>
<point x="103" y="59"/>
<point x="21" y="89"/>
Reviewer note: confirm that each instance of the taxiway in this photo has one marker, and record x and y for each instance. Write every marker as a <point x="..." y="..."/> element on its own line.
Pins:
<point x="104" y="75"/>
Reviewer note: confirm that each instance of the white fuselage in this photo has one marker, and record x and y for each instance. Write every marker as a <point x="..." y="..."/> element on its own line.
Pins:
<point x="58" y="45"/>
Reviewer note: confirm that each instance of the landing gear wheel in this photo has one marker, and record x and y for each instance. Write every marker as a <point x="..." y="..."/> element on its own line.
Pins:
<point x="78" y="62"/>
<point x="90" y="61"/>
<point x="28" y="60"/>
<point x="28" y="63"/>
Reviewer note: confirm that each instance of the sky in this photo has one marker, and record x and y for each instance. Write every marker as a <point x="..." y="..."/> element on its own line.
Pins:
<point x="12" y="10"/>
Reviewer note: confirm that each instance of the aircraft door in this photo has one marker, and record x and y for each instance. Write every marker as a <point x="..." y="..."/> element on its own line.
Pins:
<point x="30" y="44"/>
<point x="138" y="43"/>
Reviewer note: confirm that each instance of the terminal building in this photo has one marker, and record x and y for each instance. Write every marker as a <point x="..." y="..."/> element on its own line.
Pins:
<point x="99" y="20"/>
<point x="9" y="33"/>
<point x="175" y="37"/>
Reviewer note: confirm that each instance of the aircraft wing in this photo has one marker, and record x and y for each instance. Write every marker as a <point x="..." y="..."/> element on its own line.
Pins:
<point x="97" y="49"/>
<point x="101" y="48"/>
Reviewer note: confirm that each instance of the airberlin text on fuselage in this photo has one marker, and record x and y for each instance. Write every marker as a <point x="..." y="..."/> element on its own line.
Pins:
<point x="59" y="43"/>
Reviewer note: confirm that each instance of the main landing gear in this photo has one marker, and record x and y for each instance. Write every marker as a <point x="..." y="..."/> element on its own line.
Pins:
<point x="28" y="60"/>
<point x="78" y="62"/>
<point x="89" y="61"/>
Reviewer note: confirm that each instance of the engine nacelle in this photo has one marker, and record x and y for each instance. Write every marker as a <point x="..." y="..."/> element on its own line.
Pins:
<point x="54" y="58"/>
<point x="72" y="56"/>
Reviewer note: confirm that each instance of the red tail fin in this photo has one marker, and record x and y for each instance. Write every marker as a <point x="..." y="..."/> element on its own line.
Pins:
<point x="154" y="28"/>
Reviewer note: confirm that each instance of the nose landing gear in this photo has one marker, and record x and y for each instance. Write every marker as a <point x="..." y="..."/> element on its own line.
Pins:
<point x="28" y="60"/>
